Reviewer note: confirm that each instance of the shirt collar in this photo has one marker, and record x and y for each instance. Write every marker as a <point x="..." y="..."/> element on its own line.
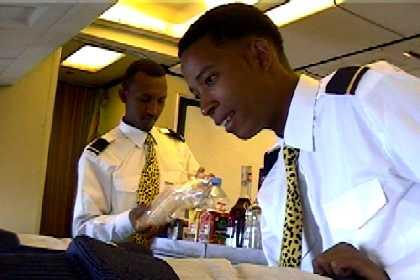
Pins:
<point x="134" y="134"/>
<point x="298" y="132"/>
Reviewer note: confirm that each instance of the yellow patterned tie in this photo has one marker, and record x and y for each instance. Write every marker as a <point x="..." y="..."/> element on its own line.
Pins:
<point x="149" y="184"/>
<point x="291" y="250"/>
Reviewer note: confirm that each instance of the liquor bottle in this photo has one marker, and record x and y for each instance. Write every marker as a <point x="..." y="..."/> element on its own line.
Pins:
<point x="252" y="235"/>
<point x="236" y="224"/>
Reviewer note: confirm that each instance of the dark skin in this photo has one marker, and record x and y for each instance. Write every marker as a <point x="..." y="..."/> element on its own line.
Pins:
<point x="225" y="81"/>
<point x="147" y="230"/>
<point x="144" y="100"/>
<point x="247" y="86"/>
<point x="343" y="260"/>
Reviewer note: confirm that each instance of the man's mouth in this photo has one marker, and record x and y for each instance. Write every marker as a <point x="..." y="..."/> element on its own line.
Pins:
<point x="227" y="122"/>
<point x="148" y="119"/>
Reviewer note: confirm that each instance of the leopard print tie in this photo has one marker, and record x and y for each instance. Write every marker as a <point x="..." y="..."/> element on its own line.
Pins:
<point x="149" y="184"/>
<point x="291" y="250"/>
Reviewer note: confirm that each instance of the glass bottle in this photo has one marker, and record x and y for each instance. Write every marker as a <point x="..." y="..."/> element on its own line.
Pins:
<point x="236" y="223"/>
<point x="253" y="219"/>
<point x="252" y="236"/>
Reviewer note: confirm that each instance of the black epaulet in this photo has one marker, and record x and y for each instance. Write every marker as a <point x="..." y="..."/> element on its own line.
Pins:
<point x="172" y="134"/>
<point x="345" y="80"/>
<point x="98" y="146"/>
<point x="270" y="159"/>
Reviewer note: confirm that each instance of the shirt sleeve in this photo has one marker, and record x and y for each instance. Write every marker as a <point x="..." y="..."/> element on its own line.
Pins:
<point x="91" y="212"/>
<point x="391" y="101"/>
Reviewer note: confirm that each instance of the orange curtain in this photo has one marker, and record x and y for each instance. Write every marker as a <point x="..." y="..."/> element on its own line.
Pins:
<point x="75" y="123"/>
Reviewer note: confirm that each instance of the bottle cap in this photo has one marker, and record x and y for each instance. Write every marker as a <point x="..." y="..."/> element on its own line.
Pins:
<point x="216" y="181"/>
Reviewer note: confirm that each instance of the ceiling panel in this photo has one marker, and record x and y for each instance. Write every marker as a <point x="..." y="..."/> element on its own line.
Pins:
<point x="31" y="30"/>
<point x="130" y="48"/>
<point x="14" y="45"/>
<point x="95" y="79"/>
<point x="330" y="33"/>
<point x="400" y="16"/>
<point x="101" y="78"/>
<point x="320" y="37"/>
<point x="4" y="63"/>
<point x="326" y="68"/>
<point x="416" y="72"/>
<point x="110" y="73"/>
<point x="25" y="24"/>
<point x="170" y="11"/>
<point x="393" y="54"/>
<point x="14" y="16"/>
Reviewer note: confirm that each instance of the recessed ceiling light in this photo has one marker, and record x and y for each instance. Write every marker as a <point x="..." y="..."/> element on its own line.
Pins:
<point x="412" y="54"/>
<point x="92" y="59"/>
<point x="124" y="13"/>
<point x="407" y="54"/>
<point x="294" y="10"/>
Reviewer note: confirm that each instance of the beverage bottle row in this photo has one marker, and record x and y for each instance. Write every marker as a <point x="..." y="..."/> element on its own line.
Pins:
<point x="239" y="227"/>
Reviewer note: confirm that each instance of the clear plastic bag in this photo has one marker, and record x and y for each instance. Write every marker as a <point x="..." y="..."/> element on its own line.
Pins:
<point x="192" y="194"/>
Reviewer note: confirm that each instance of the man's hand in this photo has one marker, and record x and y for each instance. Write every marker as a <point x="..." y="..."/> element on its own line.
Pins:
<point x="201" y="174"/>
<point x="135" y="215"/>
<point x="344" y="260"/>
<point x="148" y="230"/>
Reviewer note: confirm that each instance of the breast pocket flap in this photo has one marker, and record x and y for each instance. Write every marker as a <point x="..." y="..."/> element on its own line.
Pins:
<point x="354" y="208"/>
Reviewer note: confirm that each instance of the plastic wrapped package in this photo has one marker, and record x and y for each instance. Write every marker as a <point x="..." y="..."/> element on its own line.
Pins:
<point x="192" y="194"/>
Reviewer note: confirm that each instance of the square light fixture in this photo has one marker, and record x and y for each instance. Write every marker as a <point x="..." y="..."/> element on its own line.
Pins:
<point x="294" y="10"/>
<point x="92" y="59"/>
<point x="124" y="12"/>
<point x="411" y="54"/>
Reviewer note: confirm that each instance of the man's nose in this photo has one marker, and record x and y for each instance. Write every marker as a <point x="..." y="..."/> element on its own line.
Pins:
<point x="207" y="105"/>
<point x="153" y="108"/>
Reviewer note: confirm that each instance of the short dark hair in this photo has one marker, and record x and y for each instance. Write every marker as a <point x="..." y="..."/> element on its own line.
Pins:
<point x="231" y="21"/>
<point x="144" y="65"/>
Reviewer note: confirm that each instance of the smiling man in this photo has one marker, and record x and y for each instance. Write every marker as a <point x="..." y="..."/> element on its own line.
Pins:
<point x="343" y="197"/>
<point x="121" y="172"/>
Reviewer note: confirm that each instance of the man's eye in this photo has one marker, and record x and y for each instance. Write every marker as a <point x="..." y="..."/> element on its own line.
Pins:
<point x="144" y="99"/>
<point x="195" y="93"/>
<point x="210" y="80"/>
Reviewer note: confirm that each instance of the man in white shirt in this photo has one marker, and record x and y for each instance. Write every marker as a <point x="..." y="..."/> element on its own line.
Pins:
<point x="112" y="190"/>
<point x="350" y="170"/>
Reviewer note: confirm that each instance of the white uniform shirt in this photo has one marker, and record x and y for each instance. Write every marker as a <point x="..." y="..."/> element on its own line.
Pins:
<point x="359" y="171"/>
<point x="107" y="182"/>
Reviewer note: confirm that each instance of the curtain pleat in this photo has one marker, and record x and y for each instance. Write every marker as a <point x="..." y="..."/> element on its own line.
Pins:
<point x="75" y="123"/>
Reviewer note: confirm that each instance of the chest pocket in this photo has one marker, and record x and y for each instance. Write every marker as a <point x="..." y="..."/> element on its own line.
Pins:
<point x="127" y="183"/>
<point x="172" y="166"/>
<point x="356" y="207"/>
<point x="173" y="177"/>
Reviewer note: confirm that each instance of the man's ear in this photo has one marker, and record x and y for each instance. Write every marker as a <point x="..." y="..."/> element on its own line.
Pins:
<point x="123" y="95"/>
<point x="261" y="51"/>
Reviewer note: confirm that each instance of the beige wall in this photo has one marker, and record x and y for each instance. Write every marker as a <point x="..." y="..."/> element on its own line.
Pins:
<point x="112" y="108"/>
<point x="26" y="110"/>
<point x="221" y="153"/>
